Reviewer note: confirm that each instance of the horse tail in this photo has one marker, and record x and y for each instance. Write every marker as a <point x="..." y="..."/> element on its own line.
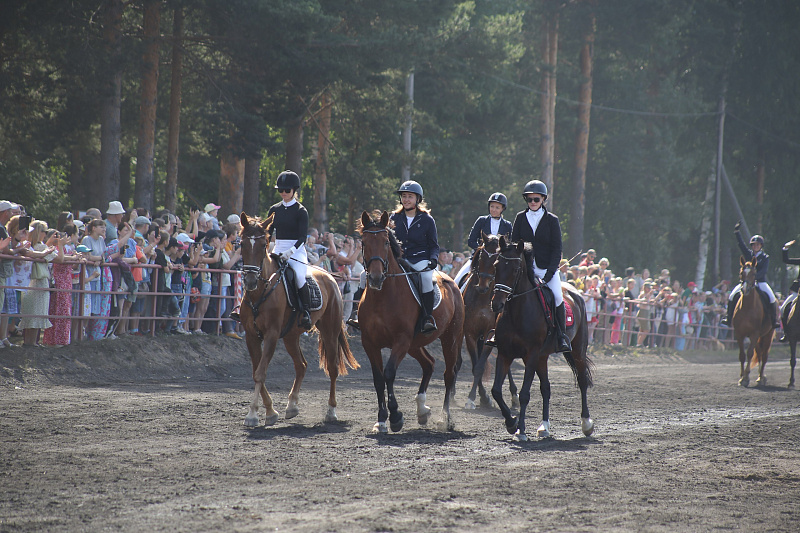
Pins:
<point x="585" y="370"/>
<point x="339" y="358"/>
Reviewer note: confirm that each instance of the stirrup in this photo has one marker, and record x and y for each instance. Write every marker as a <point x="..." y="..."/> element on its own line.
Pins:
<point x="491" y="341"/>
<point x="305" y="320"/>
<point x="429" y="326"/>
<point x="563" y="344"/>
<point x="353" y="323"/>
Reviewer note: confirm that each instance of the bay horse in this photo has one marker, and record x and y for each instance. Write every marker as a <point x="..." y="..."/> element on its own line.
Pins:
<point x="522" y="332"/>
<point x="388" y="313"/>
<point x="751" y="321"/>
<point x="791" y="328"/>
<point x="479" y="319"/>
<point x="265" y="315"/>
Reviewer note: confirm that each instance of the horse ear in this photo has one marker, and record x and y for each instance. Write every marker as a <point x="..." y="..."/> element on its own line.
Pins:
<point x="741" y="260"/>
<point x="244" y="220"/>
<point x="521" y="246"/>
<point x="484" y="237"/>
<point x="385" y="219"/>
<point x="267" y="223"/>
<point x="502" y="242"/>
<point x="365" y="219"/>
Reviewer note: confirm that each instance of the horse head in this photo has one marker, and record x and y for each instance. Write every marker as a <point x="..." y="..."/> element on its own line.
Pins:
<point x="508" y="268"/>
<point x="377" y="246"/>
<point x="483" y="262"/>
<point x="747" y="274"/>
<point x="254" y="249"/>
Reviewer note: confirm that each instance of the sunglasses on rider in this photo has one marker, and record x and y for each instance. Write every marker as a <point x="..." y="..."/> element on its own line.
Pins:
<point x="285" y="190"/>
<point x="533" y="199"/>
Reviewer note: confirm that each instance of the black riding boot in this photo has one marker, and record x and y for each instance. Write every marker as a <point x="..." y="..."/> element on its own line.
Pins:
<point x="729" y="317"/>
<point x="776" y="314"/>
<point x="352" y="321"/>
<point x="562" y="344"/>
<point x="785" y="318"/>
<point x="305" y="304"/>
<point x="427" y="305"/>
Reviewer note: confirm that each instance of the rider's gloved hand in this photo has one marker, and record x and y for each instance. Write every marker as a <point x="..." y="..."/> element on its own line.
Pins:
<point x="737" y="226"/>
<point x="288" y="253"/>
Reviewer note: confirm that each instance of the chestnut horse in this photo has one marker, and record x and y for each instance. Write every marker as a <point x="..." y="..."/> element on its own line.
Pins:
<point x="791" y="329"/>
<point x="522" y="331"/>
<point x="751" y="320"/>
<point x="479" y="318"/>
<point x="388" y="313"/>
<point x="265" y="314"/>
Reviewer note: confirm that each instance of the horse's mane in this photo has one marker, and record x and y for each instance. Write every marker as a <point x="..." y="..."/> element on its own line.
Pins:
<point x="394" y="244"/>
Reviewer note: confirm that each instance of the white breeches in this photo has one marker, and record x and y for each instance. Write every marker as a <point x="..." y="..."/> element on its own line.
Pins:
<point x="761" y="285"/>
<point x="300" y="259"/>
<point x="426" y="277"/>
<point x="554" y="284"/>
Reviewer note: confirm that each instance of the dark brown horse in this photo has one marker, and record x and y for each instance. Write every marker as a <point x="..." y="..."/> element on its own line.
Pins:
<point x="522" y="331"/>
<point x="791" y="329"/>
<point x="479" y="318"/>
<point x="751" y="321"/>
<point x="265" y="314"/>
<point x="388" y="316"/>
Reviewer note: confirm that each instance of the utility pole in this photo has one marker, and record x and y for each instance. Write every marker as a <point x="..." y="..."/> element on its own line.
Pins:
<point x="409" y="124"/>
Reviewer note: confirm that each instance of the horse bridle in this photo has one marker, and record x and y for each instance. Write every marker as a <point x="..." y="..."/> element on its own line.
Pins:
<point x="383" y="261"/>
<point x="489" y="257"/>
<point x="505" y="289"/>
<point x="255" y="269"/>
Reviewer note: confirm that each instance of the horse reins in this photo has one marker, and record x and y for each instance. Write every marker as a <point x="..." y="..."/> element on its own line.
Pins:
<point x="383" y="261"/>
<point x="505" y="289"/>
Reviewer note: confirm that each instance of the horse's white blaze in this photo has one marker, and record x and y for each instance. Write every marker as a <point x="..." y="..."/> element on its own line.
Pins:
<point x="330" y="416"/>
<point x="252" y="242"/>
<point x="587" y="426"/>
<point x="380" y="427"/>
<point x="544" y="430"/>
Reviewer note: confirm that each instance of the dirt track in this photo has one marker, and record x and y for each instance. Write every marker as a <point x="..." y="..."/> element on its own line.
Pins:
<point x="140" y="435"/>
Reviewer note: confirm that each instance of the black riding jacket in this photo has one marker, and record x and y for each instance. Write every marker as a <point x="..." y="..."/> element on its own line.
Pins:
<point x="484" y="224"/>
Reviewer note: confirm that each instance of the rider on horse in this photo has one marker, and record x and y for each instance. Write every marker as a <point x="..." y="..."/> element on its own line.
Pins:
<point x="755" y="252"/>
<point x="541" y="228"/>
<point x="491" y="224"/>
<point x="290" y="227"/>
<point x="793" y="289"/>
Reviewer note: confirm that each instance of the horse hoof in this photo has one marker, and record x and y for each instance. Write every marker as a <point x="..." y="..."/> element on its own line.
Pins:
<point x="744" y="382"/>
<point x="271" y="420"/>
<point x="292" y="411"/>
<point x="330" y="416"/>
<point x="587" y="426"/>
<point x="515" y="402"/>
<point x="543" y="431"/>
<point x="469" y="404"/>
<point x="790" y="386"/>
<point x="251" y="422"/>
<point x="396" y="425"/>
<point x="487" y="403"/>
<point x="380" y="427"/>
<point x="520" y="436"/>
<point x="511" y="425"/>
<point x="761" y="382"/>
<point x="422" y="419"/>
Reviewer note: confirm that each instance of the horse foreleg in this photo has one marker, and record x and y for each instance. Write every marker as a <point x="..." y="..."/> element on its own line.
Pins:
<point x="292" y="345"/>
<point x="762" y="349"/>
<point x="472" y="348"/>
<point x="451" y="349"/>
<point x="500" y="372"/>
<point x="525" y="395"/>
<point x="744" y="371"/>
<point x="792" y="361"/>
<point x="260" y="360"/>
<point x="512" y="388"/>
<point x="544" y="387"/>
<point x="427" y="363"/>
<point x="396" y="420"/>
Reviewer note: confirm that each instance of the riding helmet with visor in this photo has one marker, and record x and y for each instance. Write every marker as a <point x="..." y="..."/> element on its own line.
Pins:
<point x="757" y="239"/>
<point x="535" y="187"/>
<point x="411" y="186"/>
<point x="500" y="198"/>
<point x="288" y="180"/>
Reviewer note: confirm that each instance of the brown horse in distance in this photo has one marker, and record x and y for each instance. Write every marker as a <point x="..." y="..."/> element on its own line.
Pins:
<point x="479" y="318"/>
<point x="265" y="314"/>
<point x="791" y="329"/>
<point x="751" y="320"/>
<point x="388" y="313"/>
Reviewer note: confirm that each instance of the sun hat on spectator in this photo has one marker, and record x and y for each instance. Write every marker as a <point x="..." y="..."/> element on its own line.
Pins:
<point x="5" y="205"/>
<point x="691" y="284"/>
<point x="184" y="238"/>
<point x="141" y="221"/>
<point x="115" y="208"/>
<point x="210" y="207"/>
<point x="78" y="224"/>
<point x="234" y="218"/>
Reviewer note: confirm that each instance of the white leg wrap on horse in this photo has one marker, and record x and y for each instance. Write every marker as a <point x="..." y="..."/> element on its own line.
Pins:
<point x="587" y="426"/>
<point x="544" y="430"/>
<point x="380" y="427"/>
<point x="469" y="404"/>
<point x="423" y="411"/>
<point x="330" y="416"/>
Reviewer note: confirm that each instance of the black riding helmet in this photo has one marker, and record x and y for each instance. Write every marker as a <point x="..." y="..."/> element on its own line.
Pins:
<point x="498" y="197"/>
<point x="757" y="239"/>
<point x="535" y="187"/>
<point x="411" y="186"/>
<point x="287" y="180"/>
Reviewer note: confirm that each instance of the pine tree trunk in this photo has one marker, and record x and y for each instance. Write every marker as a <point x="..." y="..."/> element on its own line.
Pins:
<point x="173" y="143"/>
<point x="321" y="168"/>
<point x="294" y="146"/>
<point x="576" y="219"/>
<point x="110" y="126"/>
<point x="144" y="190"/>
<point x="761" y="177"/>
<point x="231" y="183"/>
<point x="252" y="184"/>
<point x="705" y="230"/>
<point x="548" y="99"/>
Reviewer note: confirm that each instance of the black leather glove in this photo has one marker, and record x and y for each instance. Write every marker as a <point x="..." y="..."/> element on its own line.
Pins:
<point x="547" y="277"/>
<point x="432" y="264"/>
<point x="737" y="226"/>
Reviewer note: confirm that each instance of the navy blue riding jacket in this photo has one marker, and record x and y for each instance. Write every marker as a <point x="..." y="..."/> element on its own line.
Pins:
<point x="419" y="241"/>
<point x="484" y="224"/>
<point x="761" y="257"/>
<point x="546" y="242"/>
